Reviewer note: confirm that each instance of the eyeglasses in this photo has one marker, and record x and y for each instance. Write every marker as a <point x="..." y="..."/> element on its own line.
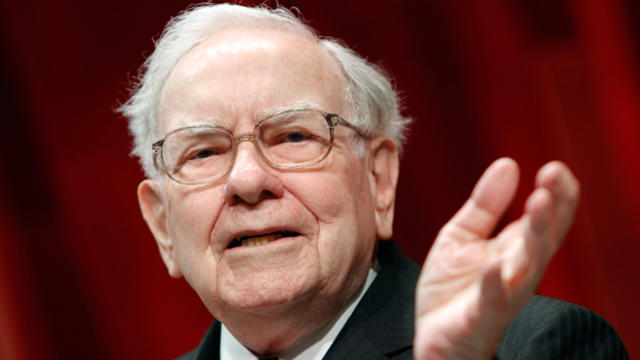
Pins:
<point x="291" y="139"/>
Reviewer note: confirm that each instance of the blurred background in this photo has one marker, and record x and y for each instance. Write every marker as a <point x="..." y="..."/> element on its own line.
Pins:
<point x="80" y="275"/>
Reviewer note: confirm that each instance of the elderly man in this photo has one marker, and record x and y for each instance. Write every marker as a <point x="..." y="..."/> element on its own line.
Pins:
<point x="272" y="164"/>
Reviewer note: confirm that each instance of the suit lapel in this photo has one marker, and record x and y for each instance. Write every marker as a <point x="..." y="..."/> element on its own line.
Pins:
<point x="209" y="348"/>
<point x="381" y="327"/>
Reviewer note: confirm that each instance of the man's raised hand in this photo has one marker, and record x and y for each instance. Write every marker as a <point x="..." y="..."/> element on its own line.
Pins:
<point x="471" y="286"/>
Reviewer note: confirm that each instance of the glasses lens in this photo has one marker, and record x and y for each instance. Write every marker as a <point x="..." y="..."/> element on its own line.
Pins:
<point x="294" y="139"/>
<point x="197" y="154"/>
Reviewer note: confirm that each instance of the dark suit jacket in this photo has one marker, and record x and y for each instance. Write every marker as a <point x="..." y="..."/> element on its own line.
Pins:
<point x="381" y="327"/>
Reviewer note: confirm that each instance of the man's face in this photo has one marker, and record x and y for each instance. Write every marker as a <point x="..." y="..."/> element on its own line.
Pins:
<point x="234" y="79"/>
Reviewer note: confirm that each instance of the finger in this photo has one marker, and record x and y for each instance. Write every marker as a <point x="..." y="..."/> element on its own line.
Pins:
<point x="539" y="209"/>
<point x="565" y="189"/>
<point x="528" y="248"/>
<point x="490" y="198"/>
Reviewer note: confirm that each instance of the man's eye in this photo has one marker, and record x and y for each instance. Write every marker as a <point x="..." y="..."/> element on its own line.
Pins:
<point x="203" y="154"/>
<point x="295" y="137"/>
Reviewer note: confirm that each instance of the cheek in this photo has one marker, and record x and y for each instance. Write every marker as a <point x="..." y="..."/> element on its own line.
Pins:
<point x="191" y="217"/>
<point x="340" y="200"/>
<point x="330" y="197"/>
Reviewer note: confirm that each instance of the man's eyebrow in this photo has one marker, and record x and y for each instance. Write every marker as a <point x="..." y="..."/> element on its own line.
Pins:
<point x="225" y="122"/>
<point x="209" y="120"/>
<point x="285" y="109"/>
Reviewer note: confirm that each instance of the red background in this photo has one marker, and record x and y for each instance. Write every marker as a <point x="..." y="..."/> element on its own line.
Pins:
<point x="80" y="276"/>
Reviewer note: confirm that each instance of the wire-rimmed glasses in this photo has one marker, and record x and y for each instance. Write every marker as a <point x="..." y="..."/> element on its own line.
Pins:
<point x="204" y="153"/>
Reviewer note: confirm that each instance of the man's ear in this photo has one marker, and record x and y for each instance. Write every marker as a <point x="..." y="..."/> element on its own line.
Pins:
<point x="384" y="167"/>
<point x="150" y="198"/>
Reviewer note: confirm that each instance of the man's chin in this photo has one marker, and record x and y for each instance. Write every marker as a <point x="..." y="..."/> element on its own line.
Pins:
<point x="269" y="276"/>
<point x="268" y="298"/>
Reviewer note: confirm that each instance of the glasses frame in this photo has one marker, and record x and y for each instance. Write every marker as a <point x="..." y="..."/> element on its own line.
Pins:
<point x="333" y="120"/>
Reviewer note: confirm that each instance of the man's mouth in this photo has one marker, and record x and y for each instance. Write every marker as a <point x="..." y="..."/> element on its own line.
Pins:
<point x="260" y="239"/>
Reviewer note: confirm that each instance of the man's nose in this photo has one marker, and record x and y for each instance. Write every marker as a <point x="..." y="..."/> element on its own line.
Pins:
<point x="251" y="180"/>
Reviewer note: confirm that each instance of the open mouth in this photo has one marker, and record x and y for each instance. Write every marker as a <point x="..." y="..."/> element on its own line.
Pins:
<point x="260" y="239"/>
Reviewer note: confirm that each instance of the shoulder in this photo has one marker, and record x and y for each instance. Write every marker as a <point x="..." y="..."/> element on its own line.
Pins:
<point x="553" y="329"/>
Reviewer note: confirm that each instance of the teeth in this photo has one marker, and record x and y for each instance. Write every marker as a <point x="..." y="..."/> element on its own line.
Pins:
<point x="261" y="239"/>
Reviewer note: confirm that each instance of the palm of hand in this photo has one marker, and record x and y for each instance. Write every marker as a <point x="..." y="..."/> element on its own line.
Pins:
<point x="470" y="286"/>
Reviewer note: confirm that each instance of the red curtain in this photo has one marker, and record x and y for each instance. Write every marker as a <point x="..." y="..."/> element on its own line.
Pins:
<point x="535" y="80"/>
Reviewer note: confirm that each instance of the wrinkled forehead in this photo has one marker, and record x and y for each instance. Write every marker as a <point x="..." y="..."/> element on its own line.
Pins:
<point x="248" y="73"/>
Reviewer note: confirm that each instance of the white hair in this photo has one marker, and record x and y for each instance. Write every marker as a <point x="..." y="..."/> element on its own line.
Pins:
<point x="374" y="104"/>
